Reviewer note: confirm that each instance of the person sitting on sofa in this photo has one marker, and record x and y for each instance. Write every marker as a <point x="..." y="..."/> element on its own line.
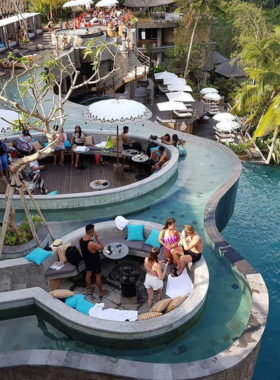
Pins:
<point x="157" y="159"/>
<point x="24" y="144"/>
<point x="78" y="139"/>
<point x="59" y="150"/>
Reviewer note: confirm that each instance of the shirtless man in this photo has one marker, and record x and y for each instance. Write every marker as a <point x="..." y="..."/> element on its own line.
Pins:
<point x="90" y="252"/>
<point x="158" y="158"/>
<point x="190" y="252"/>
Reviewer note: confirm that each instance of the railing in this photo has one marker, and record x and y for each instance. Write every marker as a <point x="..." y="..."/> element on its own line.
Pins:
<point x="142" y="58"/>
<point x="109" y="83"/>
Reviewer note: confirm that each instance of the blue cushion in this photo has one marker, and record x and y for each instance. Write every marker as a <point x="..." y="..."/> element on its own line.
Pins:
<point x="83" y="306"/>
<point x="135" y="232"/>
<point x="33" y="140"/>
<point x="72" y="301"/>
<point x="155" y="148"/>
<point x="153" y="239"/>
<point x="53" y="193"/>
<point x="38" y="255"/>
<point x="67" y="144"/>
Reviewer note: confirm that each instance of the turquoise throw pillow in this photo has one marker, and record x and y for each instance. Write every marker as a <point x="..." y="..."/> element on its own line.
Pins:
<point x="83" y="306"/>
<point x="38" y="255"/>
<point x="33" y="140"/>
<point x="73" y="300"/>
<point x="46" y="144"/>
<point x="67" y="144"/>
<point x="153" y="239"/>
<point x="135" y="232"/>
<point x="53" y="193"/>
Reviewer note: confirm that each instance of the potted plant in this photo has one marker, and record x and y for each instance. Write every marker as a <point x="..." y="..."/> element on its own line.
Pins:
<point x="240" y="150"/>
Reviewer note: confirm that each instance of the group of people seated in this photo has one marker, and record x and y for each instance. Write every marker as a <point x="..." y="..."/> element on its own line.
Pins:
<point x="179" y="249"/>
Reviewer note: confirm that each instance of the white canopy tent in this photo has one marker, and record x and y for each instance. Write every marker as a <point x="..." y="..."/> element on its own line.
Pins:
<point x="179" y="87"/>
<point x="172" y="106"/>
<point x="209" y="90"/>
<point x="164" y="74"/>
<point x="180" y="97"/>
<point x="227" y="126"/>
<point x="174" y="80"/>
<point x="224" y="116"/>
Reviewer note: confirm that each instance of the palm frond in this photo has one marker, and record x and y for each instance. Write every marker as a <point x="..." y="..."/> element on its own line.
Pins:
<point x="270" y="120"/>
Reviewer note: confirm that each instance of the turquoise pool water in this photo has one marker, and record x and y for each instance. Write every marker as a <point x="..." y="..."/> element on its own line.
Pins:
<point x="254" y="231"/>
<point x="228" y="304"/>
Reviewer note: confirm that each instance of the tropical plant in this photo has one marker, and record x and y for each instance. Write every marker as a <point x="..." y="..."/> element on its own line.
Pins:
<point x="238" y="148"/>
<point x="261" y="100"/>
<point x="23" y="233"/>
<point x="196" y="10"/>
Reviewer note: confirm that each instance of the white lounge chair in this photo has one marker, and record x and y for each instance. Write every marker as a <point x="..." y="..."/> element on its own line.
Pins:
<point x="188" y="115"/>
<point x="163" y="89"/>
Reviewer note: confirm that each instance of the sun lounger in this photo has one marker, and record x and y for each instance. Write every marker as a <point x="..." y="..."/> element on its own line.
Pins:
<point x="226" y="140"/>
<point x="163" y="89"/>
<point x="223" y="135"/>
<point x="183" y="114"/>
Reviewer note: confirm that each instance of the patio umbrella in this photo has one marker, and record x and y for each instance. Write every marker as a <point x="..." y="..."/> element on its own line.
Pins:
<point x="76" y="3"/>
<point x="106" y="3"/>
<point x="180" y="97"/>
<point x="179" y="87"/>
<point x="117" y="112"/>
<point x="174" y="80"/>
<point x="164" y="74"/>
<point x="213" y="96"/>
<point x="227" y="126"/>
<point x="172" y="106"/>
<point x="7" y="117"/>
<point x="224" y="116"/>
<point x="208" y="90"/>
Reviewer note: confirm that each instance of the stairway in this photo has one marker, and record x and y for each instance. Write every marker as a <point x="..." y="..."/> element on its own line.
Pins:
<point x="47" y="37"/>
<point x="132" y="62"/>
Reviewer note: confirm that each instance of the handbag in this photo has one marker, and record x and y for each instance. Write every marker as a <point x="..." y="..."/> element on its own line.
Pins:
<point x="153" y="137"/>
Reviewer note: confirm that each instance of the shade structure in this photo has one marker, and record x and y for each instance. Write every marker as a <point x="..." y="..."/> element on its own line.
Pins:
<point x="224" y="116"/>
<point x="7" y="117"/>
<point x="180" y="97"/>
<point x="172" y="106"/>
<point x="117" y="112"/>
<point x="76" y="3"/>
<point x="215" y="97"/>
<point x="179" y="87"/>
<point x="227" y="126"/>
<point x="209" y="90"/>
<point x="174" y="80"/>
<point x="164" y="74"/>
<point x="106" y="3"/>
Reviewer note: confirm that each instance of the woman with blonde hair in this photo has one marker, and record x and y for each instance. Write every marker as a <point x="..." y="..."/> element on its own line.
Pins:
<point x="155" y="275"/>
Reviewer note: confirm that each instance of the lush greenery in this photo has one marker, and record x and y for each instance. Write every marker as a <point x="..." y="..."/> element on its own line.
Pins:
<point x="23" y="235"/>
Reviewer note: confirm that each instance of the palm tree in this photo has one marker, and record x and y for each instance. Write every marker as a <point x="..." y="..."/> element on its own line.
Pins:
<point x="262" y="99"/>
<point x="196" y="10"/>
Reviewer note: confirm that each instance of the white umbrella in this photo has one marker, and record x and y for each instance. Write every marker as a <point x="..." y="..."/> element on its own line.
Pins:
<point x="106" y="3"/>
<point x="7" y="117"/>
<point x="227" y="126"/>
<point x="213" y="96"/>
<point x="179" y="87"/>
<point x="224" y="116"/>
<point x="174" y="80"/>
<point x="180" y="97"/>
<point x="208" y="90"/>
<point x="172" y="106"/>
<point x="76" y="3"/>
<point x="164" y="74"/>
<point x="117" y="112"/>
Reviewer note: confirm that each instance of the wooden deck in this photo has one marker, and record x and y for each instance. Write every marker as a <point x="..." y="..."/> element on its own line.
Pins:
<point x="69" y="180"/>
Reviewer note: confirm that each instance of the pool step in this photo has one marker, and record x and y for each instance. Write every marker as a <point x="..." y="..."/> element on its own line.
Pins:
<point x="5" y="285"/>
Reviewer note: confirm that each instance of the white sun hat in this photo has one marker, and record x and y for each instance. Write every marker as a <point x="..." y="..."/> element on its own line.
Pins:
<point x="121" y="222"/>
<point x="56" y="243"/>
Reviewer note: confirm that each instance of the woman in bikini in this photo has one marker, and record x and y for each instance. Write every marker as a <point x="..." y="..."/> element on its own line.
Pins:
<point x="155" y="275"/>
<point x="189" y="252"/>
<point x="169" y="237"/>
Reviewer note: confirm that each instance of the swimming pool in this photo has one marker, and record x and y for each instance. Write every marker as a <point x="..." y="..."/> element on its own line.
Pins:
<point x="254" y="231"/>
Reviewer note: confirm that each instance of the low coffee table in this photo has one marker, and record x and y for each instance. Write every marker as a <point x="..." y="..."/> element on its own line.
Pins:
<point x="140" y="159"/>
<point x="103" y="184"/>
<point x="119" y="250"/>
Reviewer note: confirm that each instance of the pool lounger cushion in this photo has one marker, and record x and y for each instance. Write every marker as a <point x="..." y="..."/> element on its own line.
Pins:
<point x="68" y="269"/>
<point x="61" y="293"/>
<point x="177" y="301"/>
<point x="149" y="315"/>
<point x="161" y="306"/>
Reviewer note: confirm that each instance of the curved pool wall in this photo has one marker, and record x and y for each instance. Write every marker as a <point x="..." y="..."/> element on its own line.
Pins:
<point x="235" y="362"/>
<point x="105" y="197"/>
<point x="98" y="36"/>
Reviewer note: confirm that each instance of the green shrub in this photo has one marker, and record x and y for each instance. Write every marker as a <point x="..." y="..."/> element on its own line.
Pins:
<point x="12" y="239"/>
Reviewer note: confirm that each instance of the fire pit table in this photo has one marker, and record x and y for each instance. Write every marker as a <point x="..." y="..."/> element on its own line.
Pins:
<point x="127" y="274"/>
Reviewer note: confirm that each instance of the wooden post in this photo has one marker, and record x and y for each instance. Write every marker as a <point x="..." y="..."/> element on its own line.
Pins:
<point x="38" y="210"/>
<point x="118" y="149"/>
<point x="10" y="192"/>
<point x="29" y="217"/>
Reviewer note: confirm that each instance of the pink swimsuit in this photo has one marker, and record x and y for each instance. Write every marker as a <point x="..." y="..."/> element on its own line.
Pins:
<point x="170" y="240"/>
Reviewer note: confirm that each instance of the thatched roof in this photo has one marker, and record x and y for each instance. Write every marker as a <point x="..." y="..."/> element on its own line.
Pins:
<point x="219" y="58"/>
<point x="146" y="3"/>
<point x="230" y="69"/>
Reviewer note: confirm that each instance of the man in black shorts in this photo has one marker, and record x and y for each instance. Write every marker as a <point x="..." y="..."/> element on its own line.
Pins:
<point x="90" y="251"/>
<point x="192" y="248"/>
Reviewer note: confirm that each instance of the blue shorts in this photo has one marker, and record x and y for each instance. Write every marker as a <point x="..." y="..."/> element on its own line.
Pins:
<point x="62" y="147"/>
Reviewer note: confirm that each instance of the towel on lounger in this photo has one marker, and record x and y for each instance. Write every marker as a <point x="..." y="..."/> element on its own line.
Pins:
<point x="179" y="286"/>
<point x="112" y="314"/>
